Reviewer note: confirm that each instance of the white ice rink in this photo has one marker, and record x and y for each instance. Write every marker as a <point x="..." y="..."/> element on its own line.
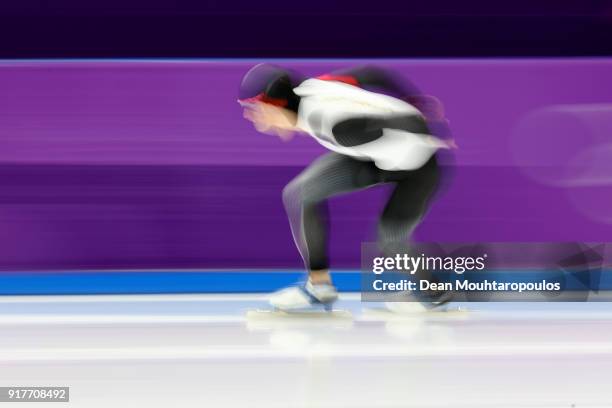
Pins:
<point x="201" y="351"/>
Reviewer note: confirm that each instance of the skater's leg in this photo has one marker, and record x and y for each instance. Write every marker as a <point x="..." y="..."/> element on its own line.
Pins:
<point x="305" y="200"/>
<point x="407" y="205"/>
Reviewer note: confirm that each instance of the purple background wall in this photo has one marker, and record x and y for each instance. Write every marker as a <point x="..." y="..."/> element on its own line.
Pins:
<point x="149" y="164"/>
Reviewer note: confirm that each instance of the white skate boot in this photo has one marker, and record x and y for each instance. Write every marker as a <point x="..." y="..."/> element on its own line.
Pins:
<point x="306" y="297"/>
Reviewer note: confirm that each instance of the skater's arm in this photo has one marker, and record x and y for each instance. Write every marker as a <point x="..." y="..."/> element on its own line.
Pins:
<point x="357" y="131"/>
<point x="360" y="130"/>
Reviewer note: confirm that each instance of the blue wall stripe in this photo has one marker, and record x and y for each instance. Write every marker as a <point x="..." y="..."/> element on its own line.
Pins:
<point x="77" y="283"/>
<point x="122" y="282"/>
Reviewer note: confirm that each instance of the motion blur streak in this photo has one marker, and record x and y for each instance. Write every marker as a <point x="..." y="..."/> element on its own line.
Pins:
<point x="149" y="164"/>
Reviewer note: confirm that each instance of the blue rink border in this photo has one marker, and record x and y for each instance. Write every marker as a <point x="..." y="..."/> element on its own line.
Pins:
<point x="228" y="281"/>
<point x="148" y="282"/>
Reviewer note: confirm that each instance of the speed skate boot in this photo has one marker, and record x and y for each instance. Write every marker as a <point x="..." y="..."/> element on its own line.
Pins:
<point x="306" y="297"/>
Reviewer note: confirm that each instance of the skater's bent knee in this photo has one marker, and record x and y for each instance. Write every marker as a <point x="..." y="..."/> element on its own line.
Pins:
<point x="301" y="192"/>
<point x="291" y="192"/>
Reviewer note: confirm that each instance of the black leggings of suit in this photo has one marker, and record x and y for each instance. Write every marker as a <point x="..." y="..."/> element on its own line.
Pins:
<point x="305" y="200"/>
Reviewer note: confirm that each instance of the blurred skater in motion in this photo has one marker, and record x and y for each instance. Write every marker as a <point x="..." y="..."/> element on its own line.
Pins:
<point x="370" y="122"/>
